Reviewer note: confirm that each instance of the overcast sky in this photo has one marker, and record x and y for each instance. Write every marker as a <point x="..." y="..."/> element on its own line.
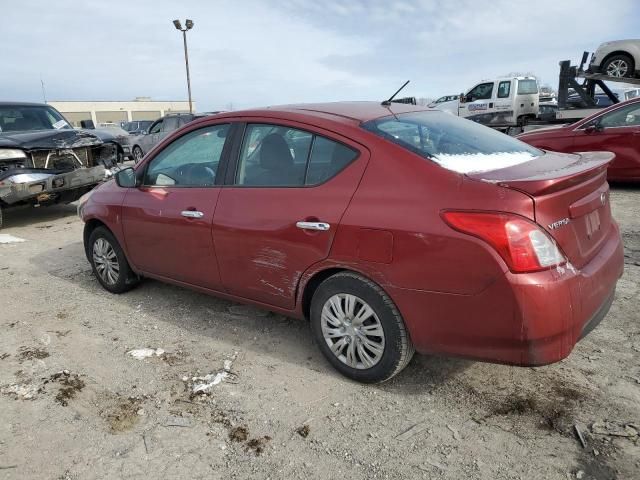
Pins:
<point x="250" y="53"/>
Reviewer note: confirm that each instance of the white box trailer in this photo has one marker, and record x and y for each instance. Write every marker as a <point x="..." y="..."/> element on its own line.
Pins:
<point x="500" y="103"/>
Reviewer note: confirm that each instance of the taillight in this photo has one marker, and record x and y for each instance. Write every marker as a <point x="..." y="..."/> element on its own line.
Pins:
<point x="523" y="245"/>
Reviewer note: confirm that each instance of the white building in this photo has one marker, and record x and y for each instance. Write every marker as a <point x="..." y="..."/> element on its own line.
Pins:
<point x="142" y="108"/>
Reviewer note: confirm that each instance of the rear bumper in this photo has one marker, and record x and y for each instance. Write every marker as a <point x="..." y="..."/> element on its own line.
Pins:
<point x="521" y="319"/>
<point x="38" y="183"/>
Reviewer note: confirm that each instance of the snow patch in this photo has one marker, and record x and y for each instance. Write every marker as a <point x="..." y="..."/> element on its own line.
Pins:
<point x="142" y="353"/>
<point x="481" y="162"/>
<point x="6" y="238"/>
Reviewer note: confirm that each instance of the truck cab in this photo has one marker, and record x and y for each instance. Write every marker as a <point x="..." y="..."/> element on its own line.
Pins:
<point x="499" y="103"/>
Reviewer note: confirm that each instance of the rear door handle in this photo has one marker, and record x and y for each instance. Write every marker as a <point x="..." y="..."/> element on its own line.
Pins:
<point x="323" y="227"/>
<point x="192" y="214"/>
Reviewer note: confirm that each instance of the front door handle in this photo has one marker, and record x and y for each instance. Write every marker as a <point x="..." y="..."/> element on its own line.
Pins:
<point x="322" y="226"/>
<point x="192" y="214"/>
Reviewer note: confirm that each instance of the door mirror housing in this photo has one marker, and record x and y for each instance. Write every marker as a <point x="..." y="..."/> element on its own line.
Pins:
<point x="127" y="178"/>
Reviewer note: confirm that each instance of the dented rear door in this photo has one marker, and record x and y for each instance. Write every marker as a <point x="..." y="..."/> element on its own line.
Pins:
<point x="262" y="252"/>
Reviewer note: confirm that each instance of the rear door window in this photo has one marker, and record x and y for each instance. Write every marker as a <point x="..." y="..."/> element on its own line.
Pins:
<point x="170" y="124"/>
<point x="279" y="156"/>
<point x="504" y="89"/>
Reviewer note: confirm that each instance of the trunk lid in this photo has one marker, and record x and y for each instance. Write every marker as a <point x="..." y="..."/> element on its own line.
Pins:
<point x="571" y="198"/>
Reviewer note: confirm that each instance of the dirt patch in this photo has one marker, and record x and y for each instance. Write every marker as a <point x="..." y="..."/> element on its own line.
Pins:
<point x="552" y="407"/>
<point x="176" y="358"/>
<point x="70" y="385"/>
<point x="304" y="431"/>
<point x="258" y="444"/>
<point x="123" y="416"/>
<point x="31" y="353"/>
<point x="5" y="355"/>
<point x="239" y="434"/>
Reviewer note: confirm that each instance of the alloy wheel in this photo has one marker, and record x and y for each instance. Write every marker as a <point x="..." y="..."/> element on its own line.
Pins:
<point x="617" y="68"/>
<point x="106" y="261"/>
<point x="352" y="331"/>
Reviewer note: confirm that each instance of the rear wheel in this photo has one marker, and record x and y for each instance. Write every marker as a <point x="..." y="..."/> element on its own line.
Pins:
<point x="619" y="66"/>
<point x="110" y="266"/>
<point x="359" y="329"/>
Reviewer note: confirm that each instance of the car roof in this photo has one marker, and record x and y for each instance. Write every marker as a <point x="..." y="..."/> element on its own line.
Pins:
<point x="342" y="112"/>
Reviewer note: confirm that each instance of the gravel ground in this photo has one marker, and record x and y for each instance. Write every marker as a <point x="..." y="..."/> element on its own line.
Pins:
<point x="75" y="404"/>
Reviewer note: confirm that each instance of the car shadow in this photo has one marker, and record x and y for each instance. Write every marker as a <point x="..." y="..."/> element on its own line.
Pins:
<point x="24" y="216"/>
<point x="284" y="339"/>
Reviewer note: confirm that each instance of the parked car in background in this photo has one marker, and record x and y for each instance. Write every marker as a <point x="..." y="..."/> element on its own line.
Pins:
<point x="43" y="160"/>
<point x="602" y="100"/>
<point x="446" y="98"/>
<point x="137" y="127"/>
<point x="159" y="129"/>
<point x="499" y="103"/>
<point x="547" y="111"/>
<point x="503" y="252"/>
<point x="617" y="59"/>
<point x="614" y="129"/>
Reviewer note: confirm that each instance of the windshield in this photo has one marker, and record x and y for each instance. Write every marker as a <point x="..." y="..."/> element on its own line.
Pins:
<point x="454" y="143"/>
<point x="527" y="87"/>
<point x="20" y="118"/>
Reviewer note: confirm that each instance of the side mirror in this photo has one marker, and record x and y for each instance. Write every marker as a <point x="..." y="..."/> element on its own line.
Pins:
<point x="462" y="99"/>
<point x="594" y="127"/>
<point x="126" y="178"/>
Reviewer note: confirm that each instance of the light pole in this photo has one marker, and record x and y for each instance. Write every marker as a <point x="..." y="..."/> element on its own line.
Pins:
<point x="188" y="26"/>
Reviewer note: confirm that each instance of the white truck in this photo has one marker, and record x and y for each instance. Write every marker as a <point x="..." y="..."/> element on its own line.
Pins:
<point x="500" y="103"/>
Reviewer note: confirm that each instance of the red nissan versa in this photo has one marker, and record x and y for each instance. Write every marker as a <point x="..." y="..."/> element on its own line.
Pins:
<point x="614" y="129"/>
<point x="389" y="227"/>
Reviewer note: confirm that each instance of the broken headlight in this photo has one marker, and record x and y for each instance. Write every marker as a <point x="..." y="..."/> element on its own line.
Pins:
<point x="11" y="154"/>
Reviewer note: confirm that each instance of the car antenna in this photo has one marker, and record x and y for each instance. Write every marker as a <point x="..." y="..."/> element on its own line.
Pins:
<point x="388" y="102"/>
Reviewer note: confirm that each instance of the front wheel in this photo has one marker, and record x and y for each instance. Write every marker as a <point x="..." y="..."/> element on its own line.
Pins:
<point x="619" y="66"/>
<point x="359" y="329"/>
<point x="137" y="154"/>
<point x="109" y="264"/>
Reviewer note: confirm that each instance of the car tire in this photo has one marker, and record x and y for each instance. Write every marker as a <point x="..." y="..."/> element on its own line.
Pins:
<point x="619" y="66"/>
<point x="368" y="346"/>
<point x="137" y="154"/>
<point x="109" y="263"/>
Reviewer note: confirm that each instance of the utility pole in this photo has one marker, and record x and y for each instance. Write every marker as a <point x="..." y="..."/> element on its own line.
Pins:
<point x="188" y="26"/>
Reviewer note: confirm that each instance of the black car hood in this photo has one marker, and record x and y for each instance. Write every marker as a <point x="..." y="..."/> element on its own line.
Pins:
<point x="48" y="139"/>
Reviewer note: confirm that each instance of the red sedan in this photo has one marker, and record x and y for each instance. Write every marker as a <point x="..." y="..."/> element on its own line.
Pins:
<point x="391" y="228"/>
<point x="614" y="129"/>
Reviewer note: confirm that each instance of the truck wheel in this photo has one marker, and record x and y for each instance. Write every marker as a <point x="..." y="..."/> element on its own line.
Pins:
<point x="359" y="329"/>
<point x="619" y="66"/>
<point x="109" y="264"/>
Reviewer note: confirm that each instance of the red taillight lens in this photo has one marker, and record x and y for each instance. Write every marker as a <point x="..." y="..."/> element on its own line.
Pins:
<point x="523" y="245"/>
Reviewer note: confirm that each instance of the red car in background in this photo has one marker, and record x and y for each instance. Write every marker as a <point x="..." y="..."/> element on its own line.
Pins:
<point x="389" y="227"/>
<point x="614" y="129"/>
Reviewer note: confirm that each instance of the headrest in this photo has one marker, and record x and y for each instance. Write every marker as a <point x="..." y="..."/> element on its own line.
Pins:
<point x="275" y="153"/>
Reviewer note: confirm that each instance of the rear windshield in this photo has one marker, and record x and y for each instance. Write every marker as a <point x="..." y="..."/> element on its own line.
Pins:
<point x="526" y="87"/>
<point x="454" y="143"/>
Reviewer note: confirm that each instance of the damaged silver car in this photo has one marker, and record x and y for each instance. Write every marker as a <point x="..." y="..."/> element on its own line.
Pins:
<point x="44" y="161"/>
